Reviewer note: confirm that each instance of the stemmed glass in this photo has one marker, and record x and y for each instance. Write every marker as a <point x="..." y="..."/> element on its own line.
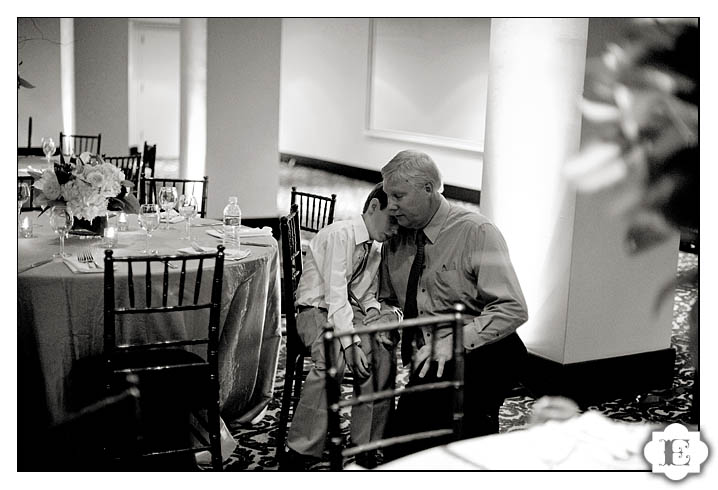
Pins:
<point x="23" y="194"/>
<point x="149" y="219"/>
<point x="167" y="198"/>
<point x="48" y="148"/>
<point x="61" y="221"/>
<point x="188" y="209"/>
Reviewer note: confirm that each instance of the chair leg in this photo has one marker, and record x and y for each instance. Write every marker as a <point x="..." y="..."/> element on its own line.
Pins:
<point x="286" y="402"/>
<point x="298" y="376"/>
<point x="215" y="436"/>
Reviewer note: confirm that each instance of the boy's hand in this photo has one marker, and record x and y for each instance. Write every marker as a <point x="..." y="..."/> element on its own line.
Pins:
<point x="387" y="339"/>
<point x="377" y="317"/>
<point x="356" y="361"/>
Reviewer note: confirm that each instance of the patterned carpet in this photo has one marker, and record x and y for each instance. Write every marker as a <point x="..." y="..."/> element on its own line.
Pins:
<point x="255" y="450"/>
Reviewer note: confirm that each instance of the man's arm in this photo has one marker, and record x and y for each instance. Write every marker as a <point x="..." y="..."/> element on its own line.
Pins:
<point x="498" y="289"/>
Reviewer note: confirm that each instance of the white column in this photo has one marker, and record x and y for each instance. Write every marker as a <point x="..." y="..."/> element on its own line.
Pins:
<point x="243" y="68"/>
<point x="587" y="298"/>
<point x="67" y="74"/>
<point x="193" y="98"/>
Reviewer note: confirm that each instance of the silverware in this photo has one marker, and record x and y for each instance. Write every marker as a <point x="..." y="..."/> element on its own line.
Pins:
<point x="84" y="256"/>
<point x="200" y="225"/>
<point x="35" y="264"/>
<point x="196" y="247"/>
<point x="252" y="244"/>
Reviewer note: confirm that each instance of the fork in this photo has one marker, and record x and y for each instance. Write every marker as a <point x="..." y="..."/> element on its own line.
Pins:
<point x="84" y="256"/>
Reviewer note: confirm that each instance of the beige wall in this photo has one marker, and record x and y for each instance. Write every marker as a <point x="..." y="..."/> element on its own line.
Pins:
<point x="39" y="51"/>
<point x="101" y="82"/>
<point x="324" y="101"/>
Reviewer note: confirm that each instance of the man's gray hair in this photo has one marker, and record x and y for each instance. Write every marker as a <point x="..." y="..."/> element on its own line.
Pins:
<point x="415" y="167"/>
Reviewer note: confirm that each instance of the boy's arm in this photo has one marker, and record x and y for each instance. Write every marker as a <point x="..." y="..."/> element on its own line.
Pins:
<point x="332" y="263"/>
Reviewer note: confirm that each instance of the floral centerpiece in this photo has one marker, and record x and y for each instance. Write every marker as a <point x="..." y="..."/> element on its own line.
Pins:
<point x="88" y="186"/>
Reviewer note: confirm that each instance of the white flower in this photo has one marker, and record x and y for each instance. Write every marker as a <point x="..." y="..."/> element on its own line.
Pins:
<point x="85" y="157"/>
<point x="91" y="183"/>
<point x="48" y="184"/>
<point x="95" y="178"/>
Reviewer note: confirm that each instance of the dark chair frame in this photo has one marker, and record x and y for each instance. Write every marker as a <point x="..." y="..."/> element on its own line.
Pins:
<point x="295" y="350"/>
<point x="119" y="360"/>
<point x="81" y="143"/>
<point x="103" y="436"/>
<point x="149" y="157"/>
<point x="335" y="404"/>
<point x="29" y="205"/>
<point x="150" y="187"/>
<point x="315" y="211"/>
<point x="131" y="165"/>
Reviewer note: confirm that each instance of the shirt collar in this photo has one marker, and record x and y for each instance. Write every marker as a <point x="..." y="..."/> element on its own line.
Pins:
<point x="437" y="221"/>
<point x="361" y="234"/>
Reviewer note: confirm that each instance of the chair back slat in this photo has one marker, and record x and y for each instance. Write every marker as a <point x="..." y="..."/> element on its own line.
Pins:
<point x="183" y="275"/>
<point x="130" y="285"/>
<point x="148" y="286"/>
<point x="198" y="282"/>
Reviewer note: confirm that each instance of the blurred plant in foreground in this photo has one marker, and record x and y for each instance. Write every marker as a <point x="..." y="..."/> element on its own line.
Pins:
<point x="642" y="99"/>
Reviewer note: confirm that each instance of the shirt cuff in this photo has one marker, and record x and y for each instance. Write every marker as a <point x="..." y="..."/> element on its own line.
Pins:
<point x="372" y="303"/>
<point x="347" y="341"/>
<point x="475" y="338"/>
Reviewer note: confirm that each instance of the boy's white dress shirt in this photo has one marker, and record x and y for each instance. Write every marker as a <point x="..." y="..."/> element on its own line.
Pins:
<point x="332" y="257"/>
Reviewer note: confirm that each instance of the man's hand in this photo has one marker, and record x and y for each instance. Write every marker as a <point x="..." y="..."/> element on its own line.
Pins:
<point x="357" y="362"/>
<point x="443" y="350"/>
<point x="387" y="339"/>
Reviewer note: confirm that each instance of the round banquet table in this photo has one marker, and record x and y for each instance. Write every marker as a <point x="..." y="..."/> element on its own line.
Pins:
<point x="60" y="317"/>
<point x="588" y="442"/>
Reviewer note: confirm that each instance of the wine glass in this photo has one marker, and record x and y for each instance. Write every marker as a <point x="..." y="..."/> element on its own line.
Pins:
<point x="61" y="221"/>
<point x="167" y="198"/>
<point x="48" y="148"/>
<point x="23" y="194"/>
<point x="149" y="219"/>
<point x="188" y="209"/>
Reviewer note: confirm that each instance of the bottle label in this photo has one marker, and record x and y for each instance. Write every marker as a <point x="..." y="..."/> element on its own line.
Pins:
<point x="231" y="220"/>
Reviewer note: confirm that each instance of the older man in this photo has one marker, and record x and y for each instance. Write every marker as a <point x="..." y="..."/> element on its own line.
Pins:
<point x="444" y="254"/>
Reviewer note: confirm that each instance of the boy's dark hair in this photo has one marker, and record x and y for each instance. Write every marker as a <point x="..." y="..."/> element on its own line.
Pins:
<point x="377" y="192"/>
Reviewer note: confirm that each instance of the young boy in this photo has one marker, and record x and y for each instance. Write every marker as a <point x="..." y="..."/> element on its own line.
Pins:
<point x="338" y="285"/>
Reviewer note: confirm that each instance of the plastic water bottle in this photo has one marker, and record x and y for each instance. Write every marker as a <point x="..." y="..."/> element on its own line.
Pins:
<point x="231" y="222"/>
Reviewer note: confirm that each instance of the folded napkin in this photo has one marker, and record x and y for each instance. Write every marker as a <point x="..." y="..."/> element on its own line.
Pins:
<point x="228" y="255"/>
<point x="244" y="231"/>
<point x="175" y="217"/>
<point x="79" y="268"/>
